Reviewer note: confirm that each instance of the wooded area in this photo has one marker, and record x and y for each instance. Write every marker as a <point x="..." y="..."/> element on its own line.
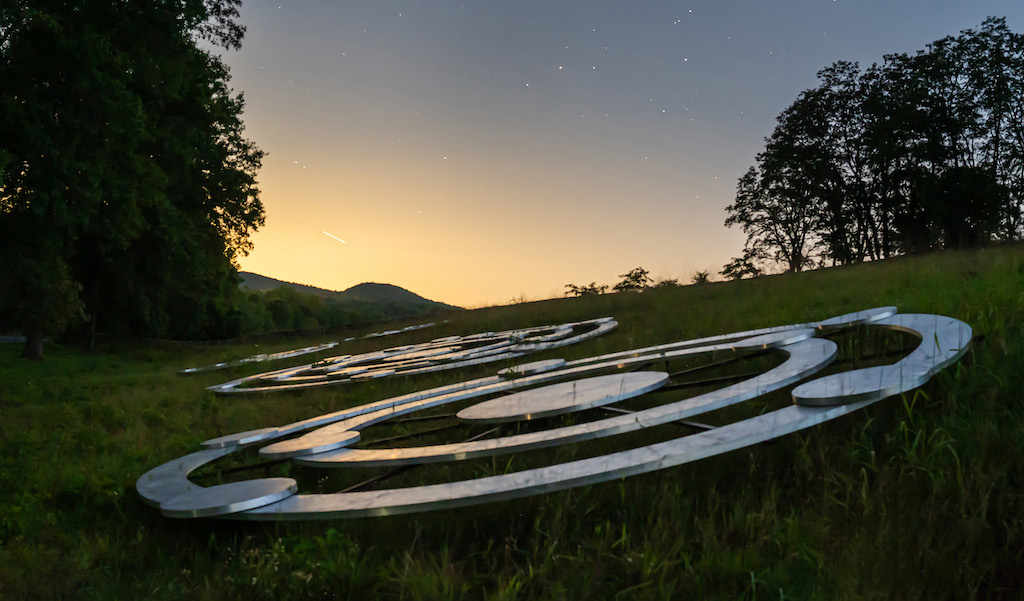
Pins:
<point x="127" y="187"/>
<point x="921" y="152"/>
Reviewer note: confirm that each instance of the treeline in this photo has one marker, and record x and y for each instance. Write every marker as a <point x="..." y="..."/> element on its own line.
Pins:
<point x="285" y="309"/>
<point x="637" y="279"/>
<point x="921" y="152"/>
<point x="127" y="186"/>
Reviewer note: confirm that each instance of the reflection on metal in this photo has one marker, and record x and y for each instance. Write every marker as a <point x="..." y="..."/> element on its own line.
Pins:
<point x="566" y="397"/>
<point x="773" y="340"/>
<point x="545" y="389"/>
<point x="317" y="441"/>
<point x="242" y="438"/>
<point x="228" y="498"/>
<point x="297" y="352"/>
<point x="804" y="359"/>
<point x="169" y="480"/>
<point x="943" y="341"/>
<point x="437" y="355"/>
<point x="850" y="319"/>
<point x="528" y="369"/>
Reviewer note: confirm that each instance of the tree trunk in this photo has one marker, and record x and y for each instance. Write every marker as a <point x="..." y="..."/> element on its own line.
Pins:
<point x="92" y="332"/>
<point x="33" y="346"/>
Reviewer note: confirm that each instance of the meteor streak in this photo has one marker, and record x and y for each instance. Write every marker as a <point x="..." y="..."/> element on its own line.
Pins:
<point x="335" y="237"/>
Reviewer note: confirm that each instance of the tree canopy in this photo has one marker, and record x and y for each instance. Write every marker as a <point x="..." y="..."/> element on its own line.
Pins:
<point x="585" y="289"/>
<point x="127" y="187"/>
<point x="921" y="152"/>
<point x="636" y="280"/>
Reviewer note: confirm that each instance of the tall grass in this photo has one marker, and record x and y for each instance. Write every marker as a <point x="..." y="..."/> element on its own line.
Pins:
<point x="919" y="496"/>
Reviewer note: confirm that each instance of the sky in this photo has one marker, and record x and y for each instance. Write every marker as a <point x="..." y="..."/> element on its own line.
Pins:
<point x="490" y="151"/>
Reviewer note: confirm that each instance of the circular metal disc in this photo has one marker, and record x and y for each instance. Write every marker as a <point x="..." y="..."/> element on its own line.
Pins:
<point x="566" y="397"/>
<point x="318" y="441"/>
<point x="228" y="498"/>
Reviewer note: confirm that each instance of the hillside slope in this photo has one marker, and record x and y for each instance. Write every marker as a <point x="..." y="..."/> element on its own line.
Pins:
<point x="917" y="496"/>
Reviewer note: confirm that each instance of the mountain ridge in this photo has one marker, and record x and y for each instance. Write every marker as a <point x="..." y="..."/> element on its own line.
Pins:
<point x="367" y="291"/>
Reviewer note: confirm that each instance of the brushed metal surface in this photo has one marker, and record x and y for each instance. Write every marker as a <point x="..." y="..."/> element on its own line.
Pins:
<point x="943" y="341"/>
<point x="528" y="369"/>
<point x="228" y="498"/>
<point x="565" y="397"/>
<point x="805" y="358"/>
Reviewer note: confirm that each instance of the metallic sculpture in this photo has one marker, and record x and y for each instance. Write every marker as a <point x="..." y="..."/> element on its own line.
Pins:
<point x="297" y="352"/>
<point x="439" y="354"/>
<point x="556" y="387"/>
<point x="260" y="358"/>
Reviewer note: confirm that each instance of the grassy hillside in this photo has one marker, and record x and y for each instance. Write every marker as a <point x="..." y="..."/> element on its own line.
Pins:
<point x="913" y="497"/>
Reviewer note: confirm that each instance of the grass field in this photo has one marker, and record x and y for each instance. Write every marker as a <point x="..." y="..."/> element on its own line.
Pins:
<point x="920" y="496"/>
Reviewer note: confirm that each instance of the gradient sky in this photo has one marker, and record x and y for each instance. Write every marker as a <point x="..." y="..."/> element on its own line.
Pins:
<point x="480" y="151"/>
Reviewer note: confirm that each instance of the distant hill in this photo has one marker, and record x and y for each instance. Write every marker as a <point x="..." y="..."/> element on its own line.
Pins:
<point x="383" y="293"/>
<point x="366" y="292"/>
<point x="255" y="281"/>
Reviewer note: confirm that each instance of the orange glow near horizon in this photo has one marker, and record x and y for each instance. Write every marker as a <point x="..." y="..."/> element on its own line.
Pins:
<point x="473" y="230"/>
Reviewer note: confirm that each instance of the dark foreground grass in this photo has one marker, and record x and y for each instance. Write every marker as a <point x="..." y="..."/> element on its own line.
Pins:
<point x="920" y="496"/>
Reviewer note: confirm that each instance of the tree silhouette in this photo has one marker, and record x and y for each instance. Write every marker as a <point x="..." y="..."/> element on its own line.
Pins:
<point x="126" y="186"/>
<point x="776" y="215"/>
<point x="923" y="151"/>
<point x="743" y="266"/>
<point x="636" y="280"/>
<point x="585" y="289"/>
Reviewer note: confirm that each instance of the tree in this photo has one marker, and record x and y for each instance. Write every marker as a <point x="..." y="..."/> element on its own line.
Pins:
<point x="964" y="206"/>
<point x="56" y="298"/>
<point x="746" y="265"/>
<point x="636" y="280"/>
<point x="586" y="289"/>
<point x="123" y="167"/>
<point x="777" y="216"/>
<point x="701" y="277"/>
<point x="921" y="152"/>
